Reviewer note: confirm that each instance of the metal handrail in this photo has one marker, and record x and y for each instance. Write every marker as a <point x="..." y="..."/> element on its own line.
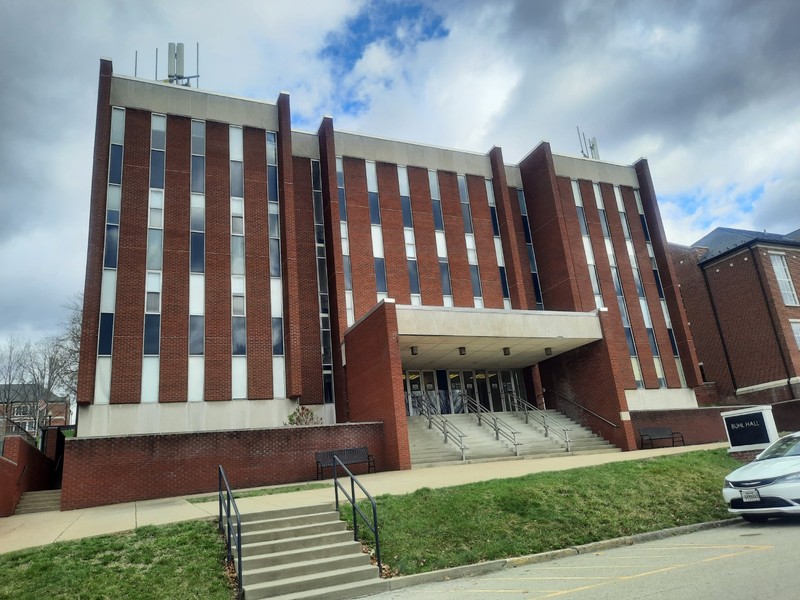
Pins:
<point x="530" y="410"/>
<point x="450" y="431"/>
<point x="500" y="427"/>
<point x="594" y="414"/>
<point x="356" y="510"/>
<point x="226" y="529"/>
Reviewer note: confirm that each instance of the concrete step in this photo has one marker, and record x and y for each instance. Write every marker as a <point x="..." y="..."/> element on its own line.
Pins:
<point x="287" y="557"/>
<point x="266" y="535"/>
<point x="306" y="567"/>
<point x="341" y="592"/>
<point x="40" y="501"/>
<point x="304" y="583"/>
<point x="292" y="521"/>
<point x="296" y="543"/>
<point x="281" y="513"/>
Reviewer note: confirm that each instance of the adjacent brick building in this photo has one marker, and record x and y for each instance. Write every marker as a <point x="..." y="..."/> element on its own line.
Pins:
<point x="238" y="269"/>
<point x="740" y="292"/>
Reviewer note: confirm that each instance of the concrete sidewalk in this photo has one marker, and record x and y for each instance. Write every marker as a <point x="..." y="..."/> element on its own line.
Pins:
<point x="26" y="531"/>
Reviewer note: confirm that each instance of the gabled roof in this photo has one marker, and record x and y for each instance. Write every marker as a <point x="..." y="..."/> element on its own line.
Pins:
<point x="26" y="392"/>
<point x="726" y="239"/>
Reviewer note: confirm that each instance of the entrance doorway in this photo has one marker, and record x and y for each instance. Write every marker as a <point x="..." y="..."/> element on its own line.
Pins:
<point x="444" y="389"/>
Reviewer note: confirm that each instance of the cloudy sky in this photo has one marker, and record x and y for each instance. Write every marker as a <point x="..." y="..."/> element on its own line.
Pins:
<point x="708" y="90"/>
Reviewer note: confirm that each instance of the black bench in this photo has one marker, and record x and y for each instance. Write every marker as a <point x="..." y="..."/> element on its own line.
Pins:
<point x="348" y="456"/>
<point x="651" y="434"/>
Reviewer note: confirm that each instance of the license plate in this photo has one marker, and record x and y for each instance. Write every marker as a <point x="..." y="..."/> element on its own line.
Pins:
<point x="750" y="495"/>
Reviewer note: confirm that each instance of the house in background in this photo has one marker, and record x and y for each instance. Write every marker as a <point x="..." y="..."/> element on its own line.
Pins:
<point x="740" y="290"/>
<point x="31" y="408"/>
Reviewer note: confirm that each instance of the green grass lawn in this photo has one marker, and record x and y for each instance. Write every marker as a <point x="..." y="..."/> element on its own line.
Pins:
<point x="434" y="529"/>
<point x="172" y="562"/>
<point x="270" y="491"/>
<point x="423" y="531"/>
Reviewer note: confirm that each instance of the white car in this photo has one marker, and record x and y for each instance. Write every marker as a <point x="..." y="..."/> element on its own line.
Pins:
<point x="769" y="486"/>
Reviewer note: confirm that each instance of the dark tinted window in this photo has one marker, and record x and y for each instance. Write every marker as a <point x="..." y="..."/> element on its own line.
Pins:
<point x="106" y="334"/>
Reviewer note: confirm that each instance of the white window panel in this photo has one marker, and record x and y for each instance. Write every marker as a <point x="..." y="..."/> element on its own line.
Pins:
<point x="472" y="256"/>
<point x="117" y="125"/>
<point x="598" y="196"/>
<point x="239" y="377"/>
<point x="113" y="197"/>
<point x="197" y="201"/>
<point x="631" y="253"/>
<point x="587" y="248"/>
<point x="645" y="313"/>
<point x="637" y="370"/>
<point x="372" y="176"/>
<point x="447" y="300"/>
<point x="237" y="284"/>
<point x="506" y="303"/>
<point x="411" y="251"/>
<point x="666" y="314"/>
<point x="197" y="374"/>
<point x="278" y="377"/>
<point x="408" y="235"/>
<point x="576" y="193"/>
<point x="402" y="180"/>
<point x="618" y="198"/>
<point x="197" y="294"/>
<point x="416" y="300"/>
<point x="108" y="291"/>
<point x="598" y="301"/>
<point x="796" y="332"/>
<point x="662" y="380"/>
<point x="102" y="380"/>
<point x="680" y="371"/>
<point x="343" y="230"/>
<point x="441" y="245"/>
<point x="382" y="296"/>
<point x="156" y="198"/>
<point x="377" y="241"/>
<point x="489" y="192"/>
<point x="345" y="247"/>
<point x="478" y="302"/>
<point x="237" y="206"/>
<point x="150" y="373"/>
<point x="498" y="250"/>
<point x="349" y="308"/>
<point x="638" y="198"/>
<point x="236" y="145"/>
<point x="612" y="258"/>
<point x="470" y="240"/>
<point x="153" y="281"/>
<point x="276" y="296"/>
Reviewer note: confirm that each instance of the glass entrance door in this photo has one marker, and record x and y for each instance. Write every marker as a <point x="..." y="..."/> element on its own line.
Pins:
<point x="494" y="392"/>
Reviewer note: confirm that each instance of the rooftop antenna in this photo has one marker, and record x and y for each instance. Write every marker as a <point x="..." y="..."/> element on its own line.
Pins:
<point x="589" y="148"/>
<point x="175" y="70"/>
<point x="135" y="63"/>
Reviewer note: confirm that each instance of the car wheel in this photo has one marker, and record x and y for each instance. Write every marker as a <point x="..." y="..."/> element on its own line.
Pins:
<point x="755" y="518"/>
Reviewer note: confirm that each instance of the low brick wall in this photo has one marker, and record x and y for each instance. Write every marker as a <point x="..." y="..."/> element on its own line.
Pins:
<point x="698" y="425"/>
<point x="99" y="471"/>
<point x="745" y="457"/>
<point x="22" y="469"/>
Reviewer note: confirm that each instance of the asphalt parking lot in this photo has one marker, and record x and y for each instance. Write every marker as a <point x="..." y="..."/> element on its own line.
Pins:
<point x="741" y="561"/>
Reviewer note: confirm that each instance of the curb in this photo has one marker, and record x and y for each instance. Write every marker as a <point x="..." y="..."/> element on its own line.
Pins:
<point x="397" y="583"/>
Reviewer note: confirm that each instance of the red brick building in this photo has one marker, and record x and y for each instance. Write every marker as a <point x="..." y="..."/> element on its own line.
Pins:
<point x="740" y="292"/>
<point x="238" y="269"/>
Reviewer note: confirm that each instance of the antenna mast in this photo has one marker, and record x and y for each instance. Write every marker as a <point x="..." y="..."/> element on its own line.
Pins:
<point x="175" y="72"/>
<point x="589" y="148"/>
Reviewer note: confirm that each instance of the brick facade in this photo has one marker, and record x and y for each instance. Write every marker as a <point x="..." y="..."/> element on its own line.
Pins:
<point x="157" y="466"/>
<point x="22" y="469"/>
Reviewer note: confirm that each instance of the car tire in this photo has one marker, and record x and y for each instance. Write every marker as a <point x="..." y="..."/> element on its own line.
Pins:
<point x="755" y="518"/>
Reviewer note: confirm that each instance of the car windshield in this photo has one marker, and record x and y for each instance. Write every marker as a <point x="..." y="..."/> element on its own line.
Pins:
<point x="788" y="446"/>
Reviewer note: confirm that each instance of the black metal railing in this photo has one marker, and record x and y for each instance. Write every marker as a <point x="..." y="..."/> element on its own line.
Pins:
<point x="337" y="485"/>
<point x="226" y="527"/>
<point x="501" y="428"/>
<point x="425" y="408"/>
<point x="529" y="411"/>
<point x="9" y="427"/>
<point x="581" y="408"/>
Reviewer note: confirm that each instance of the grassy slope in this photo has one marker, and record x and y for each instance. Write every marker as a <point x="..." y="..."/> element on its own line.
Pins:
<point x="433" y="529"/>
<point x="182" y="561"/>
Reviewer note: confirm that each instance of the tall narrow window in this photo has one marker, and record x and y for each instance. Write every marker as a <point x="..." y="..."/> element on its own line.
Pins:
<point x="784" y="278"/>
<point x="343" y="228"/>
<point x="526" y="230"/>
<point x="376" y="231"/>
<point x="441" y="241"/>
<point x="275" y="269"/>
<point x="498" y="245"/>
<point x="197" y="262"/>
<point x="469" y="238"/>
<point x="594" y="277"/>
<point x="408" y="235"/>
<point x="322" y="284"/>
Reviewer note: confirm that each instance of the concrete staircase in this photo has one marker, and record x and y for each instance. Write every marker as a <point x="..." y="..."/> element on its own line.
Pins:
<point x="304" y="552"/>
<point x="43" y="501"/>
<point x="428" y="447"/>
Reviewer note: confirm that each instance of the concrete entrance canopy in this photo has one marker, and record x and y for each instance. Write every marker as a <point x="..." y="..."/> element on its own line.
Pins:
<point x="437" y="333"/>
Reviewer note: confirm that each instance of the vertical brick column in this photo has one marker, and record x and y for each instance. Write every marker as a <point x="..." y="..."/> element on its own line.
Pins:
<point x="126" y="366"/>
<point x="394" y="248"/>
<point x="548" y="230"/>
<point x="484" y="242"/>
<point x="460" y="278"/>
<point x="259" y="316"/>
<point x="362" y="264"/>
<point x="669" y="282"/>
<point x="520" y="286"/>
<point x="335" y="264"/>
<point x="307" y="285"/>
<point x="97" y="221"/>
<point x="375" y="381"/>
<point x="430" y="280"/>
<point x="174" y="362"/>
<point x="218" y="263"/>
<point x="291" y="296"/>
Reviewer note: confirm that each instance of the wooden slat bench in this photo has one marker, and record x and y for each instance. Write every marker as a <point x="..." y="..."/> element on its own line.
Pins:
<point x="348" y="456"/>
<point x="650" y="434"/>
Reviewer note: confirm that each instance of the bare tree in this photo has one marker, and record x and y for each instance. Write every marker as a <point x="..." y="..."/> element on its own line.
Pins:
<point x="12" y="371"/>
<point x="70" y="344"/>
<point x="44" y="370"/>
